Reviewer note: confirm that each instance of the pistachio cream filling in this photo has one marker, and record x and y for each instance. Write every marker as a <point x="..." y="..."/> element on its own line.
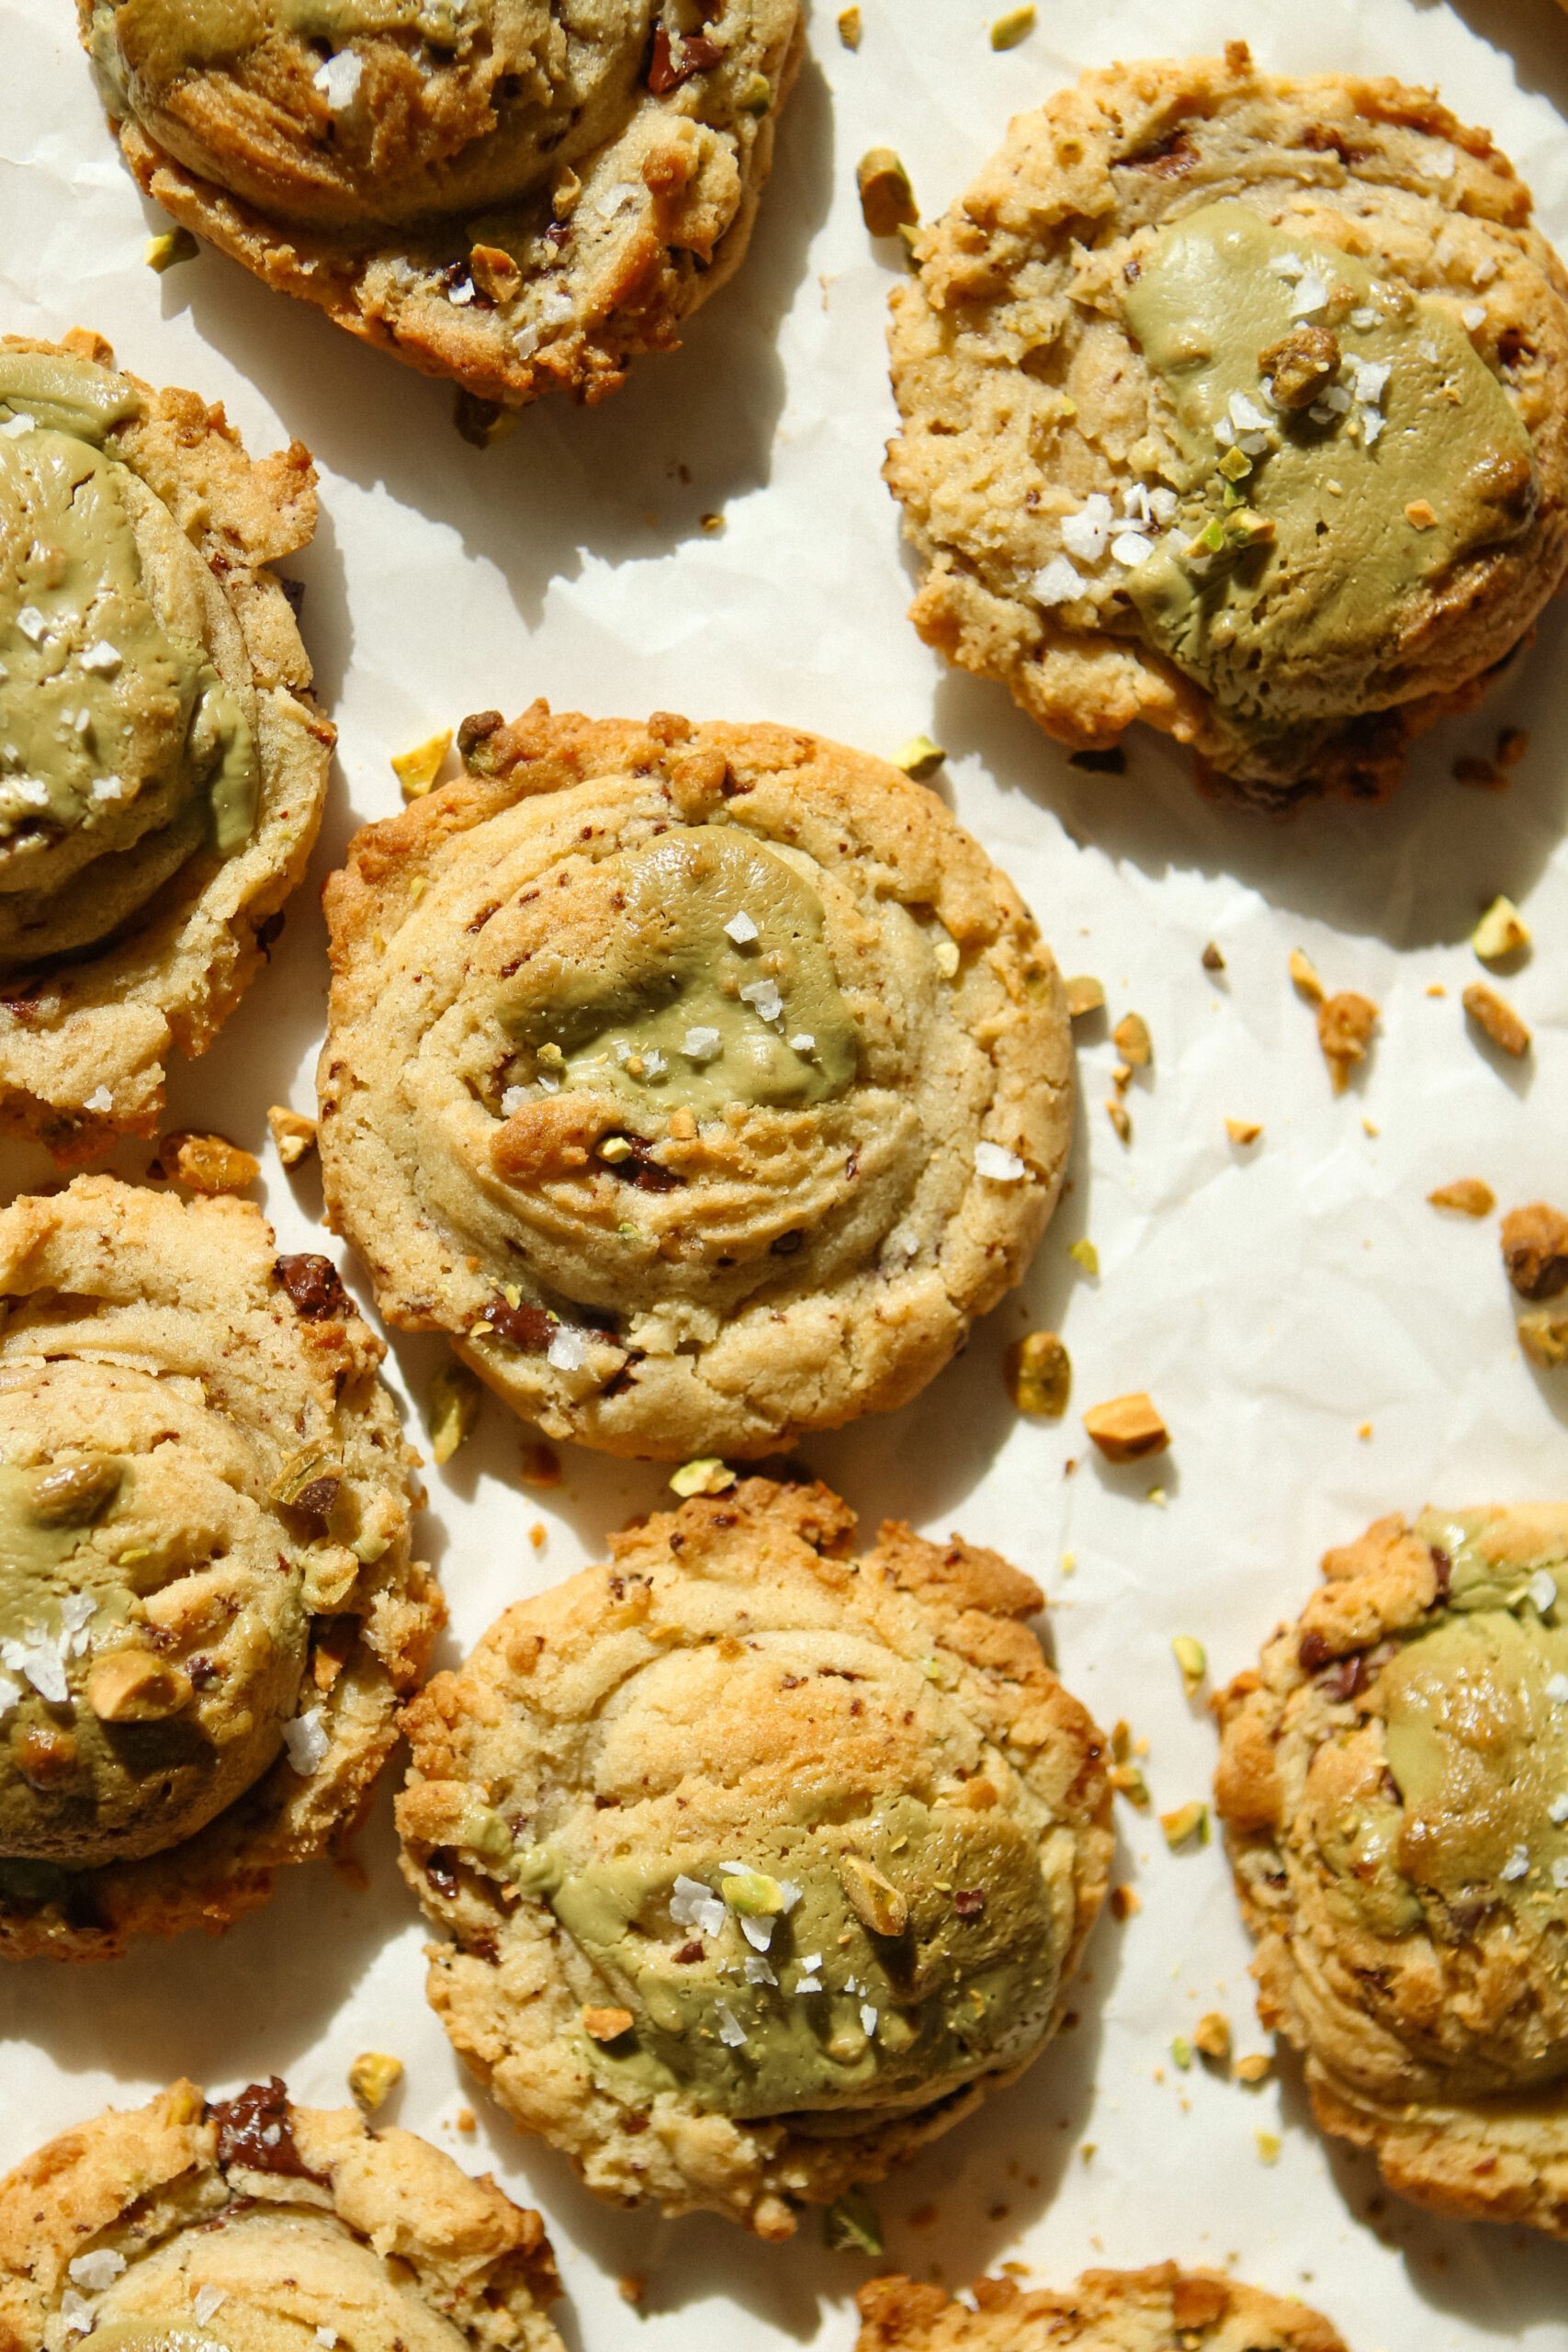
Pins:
<point x="820" y="1966"/>
<point x="1475" y="1709"/>
<point x="122" y="752"/>
<point x="1343" y="449"/>
<point x="716" y="987"/>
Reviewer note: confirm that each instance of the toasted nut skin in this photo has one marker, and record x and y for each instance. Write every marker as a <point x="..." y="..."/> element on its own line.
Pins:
<point x="1039" y="1373"/>
<point x="886" y="199"/>
<point x="1301" y="364"/>
<point x="205" y="1163"/>
<point x="876" y="1902"/>
<point x="1535" y="1251"/>
<point x="1345" y="1026"/>
<point x="1085" y="994"/>
<point x="292" y="1134"/>
<point x="1498" y="1019"/>
<point x="606" y="2025"/>
<point x="134" y="1687"/>
<point x="1544" y="1338"/>
<point x="373" y="2076"/>
<point x="1467" y="1195"/>
<point x="1127" y="1428"/>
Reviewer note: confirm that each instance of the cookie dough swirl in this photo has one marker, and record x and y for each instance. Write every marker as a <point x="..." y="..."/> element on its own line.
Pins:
<point x="703" y="1083"/>
<point x="762" y="1863"/>
<point x="1229" y="406"/>
<point x="248" y="2224"/>
<point x="517" y="193"/>
<point x="1394" y="1784"/>
<point x="162" y="772"/>
<point x="208" y="1606"/>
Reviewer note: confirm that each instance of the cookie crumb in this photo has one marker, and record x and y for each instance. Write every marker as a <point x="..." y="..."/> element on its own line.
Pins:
<point x="632" y="2285"/>
<point x="1212" y="2037"/>
<point x="1084" y="995"/>
<point x="1535" y="1251"/>
<point x="1119" y="1117"/>
<point x="1125" y="1903"/>
<point x="540" y="1465"/>
<point x="1132" y="1040"/>
<point x="1127" y="1428"/>
<point x="1345" y="1028"/>
<point x="1304" y="976"/>
<point x="1467" y="1195"/>
<point x="466" y="2119"/>
<point x="606" y="2025"/>
<point x="1254" y="2069"/>
<point x="205" y="1163"/>
<point x="851" y="28"/>
<point x="1421" y="515"/>
<point x="1492" y="1015"/>
<point x="293" y="1135"/>
<point x="1544" y="1338"/>
<point x="538" y="1536"/>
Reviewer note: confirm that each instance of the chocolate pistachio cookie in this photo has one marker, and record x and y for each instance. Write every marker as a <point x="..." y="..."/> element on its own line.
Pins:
<point x="208" y="1608"/>
<point x="162" y="766"/>
<point x="1395" y="1785"/>
<point x="247" y="2225"/>
<point x="1229" y="404"/>
<point x="704" y="1082"/>
<point x="1159" y="2310"/>
<point x="520" y="194"/>
<point x="762" y="1863"/>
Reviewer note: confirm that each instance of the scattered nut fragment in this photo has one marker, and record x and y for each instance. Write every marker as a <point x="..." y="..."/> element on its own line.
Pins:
<point x="1132" y="1040"/>
<point x="1125" y="1903"/>
<point x="1127" y="1428"/>
<point x="850" y="27"/>
<point x="1039" y="1373"/>
<point x="920" y="757"/>
<point x="1084" y="995"/>
<point x="1544" y="1338"/>
<point x="482" y="423"/>
<point x="1300" y="365"/>
<point x="1212" y="2037"/>
<point x="1269" y="2147"/>
<point x="417" y="770"/>
<point x="1128" y="1782"/>
<point x="132" y="1685"/>
<point x="755" y="94"/>
<point x="292" y="1134"/>
<point x="1421" y="515"/>
<point x="1013" y="26"/>
<point x="372" y="2076"/>
<point x="1181" y="2051"/>
<point x="540" y="1464"/>
<point x="851" y="2224"/>
<point x="168" y="248"/>
<point x="1084" y="1253"/>
<point x="1244" y="1131"/>
<point x="1305" y="978"/>
<point x="1467" y="1195"/>
<point x="1345" y="1026"/>
<point x="886" y="199"/>
<point x="1211" y="959"/>
<point x="606" y="2025"/>
<point x="876" y="1902"/>
<point x="1500" y="1021"/>
<point x="1254" y="2068"/>
<point x="1535" y="1251"/>
<point x="205" y="1163"/>
<point x="706" y="1475"/>
<point x="1119" y="1117"/>
<point x="1192" y="1659"/>
<point x="494" y="272"/>
<point x="1500" y="933"/>
<point x="1188" y="1826"/>
<point x="454" y="1411"/>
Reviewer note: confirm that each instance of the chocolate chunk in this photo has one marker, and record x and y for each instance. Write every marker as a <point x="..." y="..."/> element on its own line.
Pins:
<point x="314" y="1286"/>
<point x="253" y="2129"/>
<point x="1314" y="1652"/>
<point x="667" y="69"/>
<point x="529" y="1329"/>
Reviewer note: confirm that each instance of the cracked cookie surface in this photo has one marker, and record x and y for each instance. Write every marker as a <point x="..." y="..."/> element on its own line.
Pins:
<point x="1163" y="2308"/>
<point x="522" y="195"/>
<point x="1228" y="405"/>
<point x="208" y="1609"/>
<point x="762" y="1863"/>
<point x="703" y="1083"/>
<point x="1394" y="1782"/>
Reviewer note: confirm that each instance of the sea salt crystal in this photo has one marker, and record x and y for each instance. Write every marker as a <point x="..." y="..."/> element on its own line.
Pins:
<point x="868" y="2017"/>
<point x="1542" y="1590"/>
<point x="757" y="1971"/>
<point x="567" y="1350"/>
<point x="764" y="998"/>
<point x="654" y="1063"/>
<point x="76" y="2311"/>
<point x="109" y="787"/>
<point x="1130" y="548"/>
<point x="1474" y="315"/>
<point x="1517" y="1865"/>
<point x="1368" y="379"/>
<point x="803" y="1042"/>
<point x="102" y="657"/>
<point x="1371" y="425"/>
<point x="40" y="1661"/>
<point x="1364" y="316"/>
<point x="76" y="1613"/>
<point x="31" y="623"/>
<point x="1224" y="432"/>
<point x="14" y="426"/>
<point x="1291" y="265"/>
<point x="100" y="1099"/>
<point x="1085" y="532"/>
<point x="693" y="1904"/>
<point x="759" y="1933"/>
<point x="1557" y="1811"/>
<point x="97" y="2271"/>
<point x="1003" y="1167"/>
<point x="1560" y="1874"/>
<point x="1135" y="503"/>
<point x="1056" y="582"/>
<point x="1337" y="400"/>
<point x="731" y="2033"/>
<point x="741" y="929"/>
<point x="1164" y="502"/>
<point x="305" y="1741"/>
<point x="326" y="2337"/>
<point x="338" y="79"/>
<point x="1557" y="1690"/>
<point x="1310" y="295"/>
<point x="701" y="1045"/>
<point x="206" y="2301"/>
<point x="462" y="294"/>
<point x="512" y="1100"/>
<point x="1246" y="415"/>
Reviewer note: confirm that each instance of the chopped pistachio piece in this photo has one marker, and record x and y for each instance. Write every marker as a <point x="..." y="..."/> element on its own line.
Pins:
<point x="1127" y="1428"/>
<point x="1500" y="933"/>
<point x="755" y="94"/>
<point x="417" y="770"/>
<point x="606" y="2025"/>
<point x="920" y="757"/>
<point x="876" y="1902"/>
<point x="1084" y="1253"/>
<point x="1188" y="1826"/>
<point x="293" y="1135"/>
<point x="308" y="1480"/>
<point x="169" y="248"/>
<point x="455" y="1396"/>
<point x="1084" y="995"/>
<point x="1012" y="25"/>
<point x="1192" y="1659"/>
<point x="1128" y="1782"/>
<point x="1544" y="1338"/>
<point x="372" y="2077"/>
<point x="1038" y="1375"/>
<point x="706" y="1475"/>
<point x="1467" y="1195"/>
<point x="1181" y="2051"/>
<point x="851" y="2225"/>
<point x="1490" y="1013"/>
<point x="886" y="199"/>
<point x="614" y="1150"/>
<point x="851" y="28"/>
<point x="754" y="1894"/>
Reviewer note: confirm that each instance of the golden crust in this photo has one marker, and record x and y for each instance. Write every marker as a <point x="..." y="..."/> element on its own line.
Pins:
<point x="1365" y="162"/>
<point x="416" y="2248"/>
<point x="774" y="1563"/>
<point x="1163" y="2308"/>
<point x="107" y="1019"/>
<point x="1432" y="2035"/>
<point x="126" y="1296"/>
<point x="603" y="262"/>
<point x="701" y="1336"/>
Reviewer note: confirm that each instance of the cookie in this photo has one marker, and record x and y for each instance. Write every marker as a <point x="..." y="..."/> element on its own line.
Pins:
<point x="209" y="1613"/>
<point x="1394" y="1782"/>
<point x="1228" y="405"/>
<point x="519" y="194"/>
<point x="247" y="2225"/>
<point x="703" y="1083"/>
<point x="761" y="1862"/>
<point x="162" y="767"/>
<point x="1160" y="2310"/>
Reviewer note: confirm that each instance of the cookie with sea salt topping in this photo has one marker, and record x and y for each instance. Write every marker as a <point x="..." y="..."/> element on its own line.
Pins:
<point x="1160" y="2310"/>
<point x="248" y="2224"/>
<point x="208" y="1609"/>
<point x="1394" y="1782"/>
<point x="760" y="1861"/>
<point x="163" y="765"/>
<point x="703" y="1083"/>
<point x="1230" y="404"/>
<point x="518" y="194"/>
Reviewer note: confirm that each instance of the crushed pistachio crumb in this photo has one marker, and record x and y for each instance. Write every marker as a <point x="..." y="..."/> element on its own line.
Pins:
<point x="417" y="770"/>
<point x="851" y="2224"/>
<point x="1181" y="2051"/>
<point x="755" y="94"/>
<point x="1128" y="1782"/>
<point x="920" y="757"/>
<point x="886" y="199"/>
<point x="1012" y="25"/>
<point x="1188" y="1826"/>
<point x="454" y="1411"/>
<point x="1192" y="1659"/>
<point x="1544" y="1338"/>
<point x="169" y="248"/>
<point x="1269" y="2146"/>
<point x="705" y="1475"/>
<point x="1084" y="1253"/>
<point x="1039" y="1373"/>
